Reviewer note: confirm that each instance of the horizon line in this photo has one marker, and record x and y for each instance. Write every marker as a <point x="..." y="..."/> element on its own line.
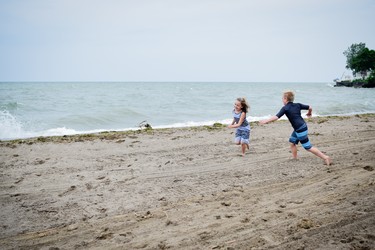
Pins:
<point x="75" y="81"/>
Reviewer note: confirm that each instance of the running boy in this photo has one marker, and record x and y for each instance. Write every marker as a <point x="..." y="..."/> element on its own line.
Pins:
<point x="300" y="133"/>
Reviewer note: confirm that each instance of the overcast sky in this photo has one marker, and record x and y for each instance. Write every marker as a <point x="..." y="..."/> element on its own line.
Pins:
<point x="175" y="40"/>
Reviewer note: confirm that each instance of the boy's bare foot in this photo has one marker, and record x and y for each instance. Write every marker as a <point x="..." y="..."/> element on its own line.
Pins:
<point x="328" y="161"/>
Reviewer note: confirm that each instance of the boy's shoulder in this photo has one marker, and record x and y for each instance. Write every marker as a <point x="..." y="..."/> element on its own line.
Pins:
<point x="295" y="104"/>
<point x="292" y="106"/>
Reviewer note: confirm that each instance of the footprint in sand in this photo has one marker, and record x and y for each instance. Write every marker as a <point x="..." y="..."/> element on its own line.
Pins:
<point x="19" y="180"/>
<point x="88" y="186"/>
<point x="39" y="162"/>
<point x="72" y="188"/>
<point x="368" y="168"/>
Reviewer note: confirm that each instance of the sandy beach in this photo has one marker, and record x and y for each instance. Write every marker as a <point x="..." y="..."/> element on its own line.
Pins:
<point x="190" y="188"/>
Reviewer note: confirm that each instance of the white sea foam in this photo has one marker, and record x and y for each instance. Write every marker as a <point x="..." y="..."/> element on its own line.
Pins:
<point x="10" y="127"/>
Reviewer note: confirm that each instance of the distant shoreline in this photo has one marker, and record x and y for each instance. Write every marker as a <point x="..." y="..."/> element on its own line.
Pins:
<point x="355" y="84"/>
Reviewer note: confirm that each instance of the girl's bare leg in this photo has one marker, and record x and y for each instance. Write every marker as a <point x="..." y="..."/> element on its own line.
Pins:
<point x="243" y="147"/>
<point x="293" y="148"/>
<point x="318" y="153"/>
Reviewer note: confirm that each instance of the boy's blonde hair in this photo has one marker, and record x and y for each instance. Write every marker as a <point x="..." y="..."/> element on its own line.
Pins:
<point x="289" y="95"/>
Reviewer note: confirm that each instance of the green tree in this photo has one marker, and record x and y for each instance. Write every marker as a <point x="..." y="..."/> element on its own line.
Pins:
<point x="370" y="81"/>
<point x="360" y="59"/>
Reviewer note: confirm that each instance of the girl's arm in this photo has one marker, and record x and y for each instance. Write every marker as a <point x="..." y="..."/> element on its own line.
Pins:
<point x="271" y="119"/>
<point x="242" y="118"/>
<point x="230" y="126"/>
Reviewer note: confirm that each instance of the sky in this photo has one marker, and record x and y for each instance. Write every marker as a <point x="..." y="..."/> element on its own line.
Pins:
<point x="181" y="41"/>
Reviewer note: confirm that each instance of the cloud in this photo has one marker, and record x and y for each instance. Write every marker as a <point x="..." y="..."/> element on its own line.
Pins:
<point x="164" y="40"/>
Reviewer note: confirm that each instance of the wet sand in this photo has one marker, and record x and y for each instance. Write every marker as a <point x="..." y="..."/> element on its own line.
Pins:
<point x="190" y="188"/>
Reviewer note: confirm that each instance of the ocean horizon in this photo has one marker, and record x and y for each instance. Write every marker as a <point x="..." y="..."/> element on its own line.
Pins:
<point x="32" y="109"/>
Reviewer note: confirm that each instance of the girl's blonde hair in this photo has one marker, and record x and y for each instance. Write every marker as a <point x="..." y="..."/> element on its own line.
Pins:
<point x="244" y="104"/>
<point x="289" y="95"/>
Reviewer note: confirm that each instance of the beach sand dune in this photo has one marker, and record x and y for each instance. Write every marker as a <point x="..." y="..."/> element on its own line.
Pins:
<point x="190" y="188"/>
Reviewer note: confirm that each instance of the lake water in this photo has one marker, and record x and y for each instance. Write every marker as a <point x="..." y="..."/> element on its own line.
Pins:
<point x="44" y="109"/>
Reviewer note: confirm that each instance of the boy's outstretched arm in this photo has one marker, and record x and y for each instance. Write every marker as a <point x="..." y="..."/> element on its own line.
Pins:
<point x="271" y="119"/>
